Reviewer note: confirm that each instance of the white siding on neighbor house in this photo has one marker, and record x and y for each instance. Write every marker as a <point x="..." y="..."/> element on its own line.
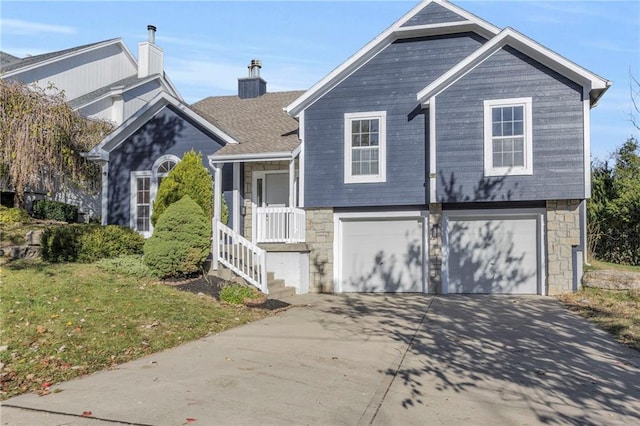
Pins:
<point x="138" y="97"/>
<point x="83" y="73"/>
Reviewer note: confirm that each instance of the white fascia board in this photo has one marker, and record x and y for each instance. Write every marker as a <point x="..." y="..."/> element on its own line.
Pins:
<point x="143" y="115"/>
<point x="74" y="53"/>
<point x="512" y="38"/>
<point x="371" y="49"/>
<point x="249" y="158"/>
<point x="171" y="87"/>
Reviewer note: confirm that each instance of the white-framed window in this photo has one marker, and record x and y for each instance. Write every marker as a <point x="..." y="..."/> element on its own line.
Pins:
<point x="144" y="188"/>
<point x="365" y="144"/>
<point x="508" y="137"/>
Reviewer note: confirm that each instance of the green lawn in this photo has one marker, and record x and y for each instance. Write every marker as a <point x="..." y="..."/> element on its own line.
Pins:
<point x="597" y="265"/>
<point x="62" y="321"/>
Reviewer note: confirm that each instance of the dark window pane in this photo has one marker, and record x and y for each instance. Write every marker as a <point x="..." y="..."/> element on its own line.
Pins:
<point x="364" y="126"/>
<point x="507" y="114"/>
<point x="355" y="126"/>
<point x="518" y="128"/>
<point x="355" y="140"/>
<point x="364" y="139"/>
<point x="518" y="113"/>
<point x="497" y="115"/>
<point x="497" y="129"/>
<point x="374" y="126"/>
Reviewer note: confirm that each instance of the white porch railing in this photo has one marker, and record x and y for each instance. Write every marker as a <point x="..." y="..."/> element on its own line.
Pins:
<point x="240" y="255"/>
<point x="280" y="225"/>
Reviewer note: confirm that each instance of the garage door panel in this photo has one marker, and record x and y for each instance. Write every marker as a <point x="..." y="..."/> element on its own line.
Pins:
<point x="382" y="256"/>
<point x="493" y="256"/>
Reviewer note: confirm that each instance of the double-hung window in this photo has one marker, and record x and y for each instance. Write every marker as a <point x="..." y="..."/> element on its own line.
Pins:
<point x="144" y="188"/>
<point x="508" y="137"/>
<point x="365" y="147"/>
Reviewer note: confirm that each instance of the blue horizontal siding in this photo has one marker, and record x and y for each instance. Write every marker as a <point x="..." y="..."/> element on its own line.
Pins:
<point x="558" y="165"/>
<point x="388" y="82"/>
<point x="169" y="132"/>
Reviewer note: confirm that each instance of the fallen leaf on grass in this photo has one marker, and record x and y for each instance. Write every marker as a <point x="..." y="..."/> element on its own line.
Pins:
<point x="41" y="329"/>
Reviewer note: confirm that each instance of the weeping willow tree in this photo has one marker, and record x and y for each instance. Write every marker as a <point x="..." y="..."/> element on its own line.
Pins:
<point x="41" y="139"/>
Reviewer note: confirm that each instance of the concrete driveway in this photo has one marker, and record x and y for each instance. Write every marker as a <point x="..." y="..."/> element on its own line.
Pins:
<point x="369" y="359"/>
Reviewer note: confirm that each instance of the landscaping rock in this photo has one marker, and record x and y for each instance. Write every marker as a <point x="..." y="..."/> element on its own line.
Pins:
<point x="612" y="280"/>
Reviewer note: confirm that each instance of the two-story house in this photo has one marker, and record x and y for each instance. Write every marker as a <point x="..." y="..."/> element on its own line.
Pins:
<point x="445" y="156"/>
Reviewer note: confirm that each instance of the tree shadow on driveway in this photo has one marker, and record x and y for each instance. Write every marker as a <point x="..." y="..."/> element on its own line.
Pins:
<point x="499" y="352"/>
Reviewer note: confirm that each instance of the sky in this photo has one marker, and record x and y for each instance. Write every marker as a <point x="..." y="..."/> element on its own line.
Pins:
<point x="208" y="44"/>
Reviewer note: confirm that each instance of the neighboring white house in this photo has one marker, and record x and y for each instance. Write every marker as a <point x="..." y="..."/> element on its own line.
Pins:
<point x="100" y="80"/>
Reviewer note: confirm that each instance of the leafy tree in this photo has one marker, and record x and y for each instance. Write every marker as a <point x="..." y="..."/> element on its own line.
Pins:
<point x="188" y="177"/>
<point x="614" y="208"/>
<point x="41" y="139"/>
<point x="181" y="240"/>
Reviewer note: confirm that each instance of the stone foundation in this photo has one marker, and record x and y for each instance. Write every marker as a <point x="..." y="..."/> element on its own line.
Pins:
<point x="319" y="239"/>
<point x="563" y="232"/>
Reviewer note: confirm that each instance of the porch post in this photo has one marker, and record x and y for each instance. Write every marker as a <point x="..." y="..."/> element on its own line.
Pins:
<point x="292" y="180"/>
<point x="217" y="199"/>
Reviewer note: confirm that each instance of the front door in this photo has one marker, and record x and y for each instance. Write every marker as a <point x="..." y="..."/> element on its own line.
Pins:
<point x="271" y="201"/>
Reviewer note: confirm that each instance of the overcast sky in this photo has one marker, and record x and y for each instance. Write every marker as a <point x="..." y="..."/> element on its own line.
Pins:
<point x="208" y="44"/>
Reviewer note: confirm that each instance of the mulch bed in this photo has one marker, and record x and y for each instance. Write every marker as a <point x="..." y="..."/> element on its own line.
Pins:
<point x="211" y="286"/>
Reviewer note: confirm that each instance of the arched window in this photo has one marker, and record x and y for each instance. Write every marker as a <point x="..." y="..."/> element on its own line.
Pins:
<point x="144" y="188"/>
<point x="163" y="169"/>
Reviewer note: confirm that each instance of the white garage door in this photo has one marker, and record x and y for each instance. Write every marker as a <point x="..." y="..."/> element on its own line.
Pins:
<point x="492" y="255"/>
<point x="381" y="255"/>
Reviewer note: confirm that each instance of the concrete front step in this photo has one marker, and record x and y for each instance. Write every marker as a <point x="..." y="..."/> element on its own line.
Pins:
<point x="277" y="287"/>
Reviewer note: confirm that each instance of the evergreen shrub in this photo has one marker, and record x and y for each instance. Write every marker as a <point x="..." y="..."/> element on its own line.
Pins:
<point x="55" y="210"/>
<point x="181" y="240"/>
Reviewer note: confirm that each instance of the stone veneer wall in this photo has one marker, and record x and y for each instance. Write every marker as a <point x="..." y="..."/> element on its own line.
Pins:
<point x="563" y="232"/>
<point x="319" y="236"/>
<point x="249" y="168"/>
<point x="435" y="249"/>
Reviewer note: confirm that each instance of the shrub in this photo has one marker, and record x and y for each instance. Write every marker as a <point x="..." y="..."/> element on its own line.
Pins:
<point x="13" y="215"/>
<point x="88" y="243"/>
<point x="61" y="243"/>
<point x="101" y="242"/>
<point x="189" y="177"/>
<point x="236" y="293"/>
<point x="181" y="240"/>
<point x="55" y="210"/>
<point x="127" y="265"/>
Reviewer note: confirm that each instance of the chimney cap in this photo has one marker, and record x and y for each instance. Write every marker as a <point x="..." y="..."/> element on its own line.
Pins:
<point x="151" y="27"/>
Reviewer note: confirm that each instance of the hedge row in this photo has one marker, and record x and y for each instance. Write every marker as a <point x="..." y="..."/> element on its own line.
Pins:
<point x="88" y="243"/>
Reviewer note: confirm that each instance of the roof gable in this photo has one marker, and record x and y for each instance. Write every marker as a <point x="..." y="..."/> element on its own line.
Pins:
<point x="433" y="13"/>
<point x="509" y="37"/>
<point x="418" y="28"/>
<point x="31" y="62"/>
<point x="101" y="151"/>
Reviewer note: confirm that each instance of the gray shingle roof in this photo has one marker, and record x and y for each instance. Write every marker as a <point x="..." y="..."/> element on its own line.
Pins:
<point x="31" y="60"/>
<point x="6" y="59"/>
<point x="260" y="124"/>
